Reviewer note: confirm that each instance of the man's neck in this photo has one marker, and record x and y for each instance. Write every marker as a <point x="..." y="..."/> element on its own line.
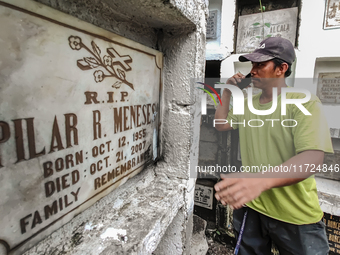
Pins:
<point x="267" y="93"/>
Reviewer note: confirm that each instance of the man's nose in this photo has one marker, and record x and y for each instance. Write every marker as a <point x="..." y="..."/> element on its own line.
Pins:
<point x="253" y="71"/>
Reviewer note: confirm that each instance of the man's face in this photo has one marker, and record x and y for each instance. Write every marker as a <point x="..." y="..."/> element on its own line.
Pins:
<point x="262" y="73"/>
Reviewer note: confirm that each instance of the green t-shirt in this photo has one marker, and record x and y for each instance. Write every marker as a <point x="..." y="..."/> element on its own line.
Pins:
<point x="272" y="144"/>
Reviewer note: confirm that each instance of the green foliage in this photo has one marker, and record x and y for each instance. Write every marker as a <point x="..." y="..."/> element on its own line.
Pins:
<point x="261" y="7"/>
<point x="267" y="24"/>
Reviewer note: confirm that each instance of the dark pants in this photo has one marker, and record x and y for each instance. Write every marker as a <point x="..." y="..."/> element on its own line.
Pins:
<point x="290" y="239"/>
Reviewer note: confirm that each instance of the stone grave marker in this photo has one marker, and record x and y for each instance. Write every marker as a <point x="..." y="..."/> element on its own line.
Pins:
<point x="79" y="116"/>
<point x="328" y="89"/>
<point x="253" y="28"/>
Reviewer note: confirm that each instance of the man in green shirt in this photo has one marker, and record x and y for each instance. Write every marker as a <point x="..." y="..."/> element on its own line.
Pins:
<point x="280" y="198"/>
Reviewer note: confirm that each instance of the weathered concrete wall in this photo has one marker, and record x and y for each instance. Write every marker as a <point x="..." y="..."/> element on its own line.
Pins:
<point x="180" y="136"/>
<point x="140" y="212"/>
<point x="136" y="20"/>
<point x="174" y="238"/>
<point x="214" y="147"/>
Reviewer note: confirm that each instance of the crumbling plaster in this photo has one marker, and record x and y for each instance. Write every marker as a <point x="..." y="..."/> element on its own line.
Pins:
<point x="139" y="212"/>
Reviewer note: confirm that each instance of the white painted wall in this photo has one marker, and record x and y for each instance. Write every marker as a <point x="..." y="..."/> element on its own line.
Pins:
<point x="318" y="51"/>
<point x="227" y="32"/>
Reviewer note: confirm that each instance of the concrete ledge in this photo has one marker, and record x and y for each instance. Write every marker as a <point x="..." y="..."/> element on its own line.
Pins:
<point x="329" y="195"/>
<point x="130" y="220"/>
<point x="199" y="244"/>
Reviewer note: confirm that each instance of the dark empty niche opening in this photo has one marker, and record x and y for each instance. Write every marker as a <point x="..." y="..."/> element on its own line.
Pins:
<point x="212" y="73"/>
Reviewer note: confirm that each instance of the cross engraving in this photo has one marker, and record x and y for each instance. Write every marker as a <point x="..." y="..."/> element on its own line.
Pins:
<point x="108" y="63"/>
<point x="119" y="60"/>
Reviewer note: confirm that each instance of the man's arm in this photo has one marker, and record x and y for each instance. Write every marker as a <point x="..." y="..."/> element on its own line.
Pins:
<point x="223" y="110"/>
<point x="304" y="159"/>
<point x="238" y="189"/>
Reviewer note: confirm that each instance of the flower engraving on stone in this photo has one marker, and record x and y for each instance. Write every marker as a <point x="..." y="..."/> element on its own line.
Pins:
<point x="98" y="76"/>
<point x="107" y="60"/>
<point x="111" y="65"/>
<point x="75" y="42"/>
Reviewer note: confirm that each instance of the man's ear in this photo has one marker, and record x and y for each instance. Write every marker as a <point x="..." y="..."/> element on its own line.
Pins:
<point x="281" y="70"/>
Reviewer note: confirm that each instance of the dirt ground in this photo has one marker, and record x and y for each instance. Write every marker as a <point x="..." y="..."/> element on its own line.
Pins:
<point x="216" y="248"/>
<point x="218" y="243"/>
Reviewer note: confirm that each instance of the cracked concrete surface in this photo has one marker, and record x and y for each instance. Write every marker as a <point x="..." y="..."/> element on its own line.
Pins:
<point x="137" y="214"/>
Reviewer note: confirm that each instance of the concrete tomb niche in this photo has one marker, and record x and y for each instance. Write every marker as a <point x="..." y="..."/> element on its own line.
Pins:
<point x="254" y="28"/>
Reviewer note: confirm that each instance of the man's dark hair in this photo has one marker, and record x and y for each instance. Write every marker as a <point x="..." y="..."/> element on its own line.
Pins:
<point x="278" y="62"/>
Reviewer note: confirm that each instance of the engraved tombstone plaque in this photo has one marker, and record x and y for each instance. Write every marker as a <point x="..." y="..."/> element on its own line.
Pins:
<point x="253" y="28"/>
<point x="332" y="14"/>
<point x="204" y="196"/>
<point x="212" y="25"/>
<point x="333" y="232"/>
<point x="79" y="115"/>
<point x="329" y="88"/>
